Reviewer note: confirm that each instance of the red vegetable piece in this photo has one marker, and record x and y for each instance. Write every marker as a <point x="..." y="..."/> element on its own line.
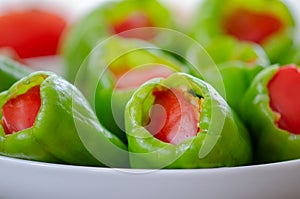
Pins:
<point x="136" y="77"/>
<point x="284" y="96"/>
<point x="31" y="33"/>
<point x="173" y="117"/>
<point x="20" y="113"/>
<point x="251" y="26"/>
<point x="133" y="21"/>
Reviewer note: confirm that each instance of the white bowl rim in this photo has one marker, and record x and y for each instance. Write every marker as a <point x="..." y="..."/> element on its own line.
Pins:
<point x="76" y="168"/>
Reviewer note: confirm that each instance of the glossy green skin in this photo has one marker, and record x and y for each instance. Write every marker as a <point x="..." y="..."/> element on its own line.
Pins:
<point x="110" y="106"/>
<point x="231" y="146"/>
<point x="292" y="57"/>
<point x="238" y="63"/>
<point x="10" y="72"/>
<point x="224" y="49"/>
<point x="95" y="27"/>
<point x="211" y="12"/>
<point x="271" y="144"/>
<point x="237" y="77"/>
<point x="55" y="135"/>
<point x="110" y="102"/>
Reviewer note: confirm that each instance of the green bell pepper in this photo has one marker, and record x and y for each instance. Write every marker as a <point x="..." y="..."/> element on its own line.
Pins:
<point x="270" y="109"/>
<point x="10" y="72"/>
<point x="121" y="66"/>
<point x="45" y="118"/>
<point x="237" y="62"/>
<point x="109" y="19"/>
<point x="191" y="128"/>
<point x="268" y="23"/>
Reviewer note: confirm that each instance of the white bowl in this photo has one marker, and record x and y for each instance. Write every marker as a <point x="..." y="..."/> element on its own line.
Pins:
<point x="22" y="179"/>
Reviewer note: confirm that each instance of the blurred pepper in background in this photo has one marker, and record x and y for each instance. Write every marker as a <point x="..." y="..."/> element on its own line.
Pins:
<point x="268" y="23"/>
<point x="29" y="33"/>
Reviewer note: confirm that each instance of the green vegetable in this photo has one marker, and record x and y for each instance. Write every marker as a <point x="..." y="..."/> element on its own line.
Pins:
<point x="64" y="130"/>
<point x="237" y="62"/>
<point x="265" y="22"/>
<point x="10" y="72"/>
<point x="115" y="70"/>
<point x="272" y="121"/>
<point x="109" y="19"/>
<point x="221" y="141"/>
<point x="292" y="56"/>
<point x="237" y="77"/>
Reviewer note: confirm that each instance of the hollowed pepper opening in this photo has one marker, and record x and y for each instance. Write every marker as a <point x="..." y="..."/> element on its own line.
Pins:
<point x="128" y="78"/>
<point x="175" y="114"/>
<point x="285" y="97"/>
<point x="133" y="21"/>
<point x="247" y="25"/>
<point x="32" y="33"/>
<point x="19" y="113"/>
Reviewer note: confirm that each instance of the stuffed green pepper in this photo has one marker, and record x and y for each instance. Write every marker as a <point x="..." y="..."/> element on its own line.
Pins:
<point x="125" y="18"/>
<point x="41" y="116"/>
<point x="182" y="122"/>
<point x="267" y="23"/>
<point x="117" y="68"/>
<point x="271" y="111"/>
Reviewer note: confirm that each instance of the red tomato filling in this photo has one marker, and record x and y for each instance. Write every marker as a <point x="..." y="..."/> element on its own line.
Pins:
<point x="284" y="96"/>
<point x="251" y="26"/>
<point x="31" y="33"/>
<point x="20" y="112"/>
<point x="137" y="76"/>
<point x="133" y="21"/>
<point x="175" y="115"/>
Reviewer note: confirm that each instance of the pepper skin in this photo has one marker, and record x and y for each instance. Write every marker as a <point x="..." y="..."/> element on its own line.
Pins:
<point x="292" y="57"/>
<point x="109" y="19"/>
<point x="270" y="99"/>
<point x="267" y="23"/>
<point x="54" y="134"/>
<point x="238" y="63"/>
<point x="232" y="144"/>
<point x="10" y="72"/>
